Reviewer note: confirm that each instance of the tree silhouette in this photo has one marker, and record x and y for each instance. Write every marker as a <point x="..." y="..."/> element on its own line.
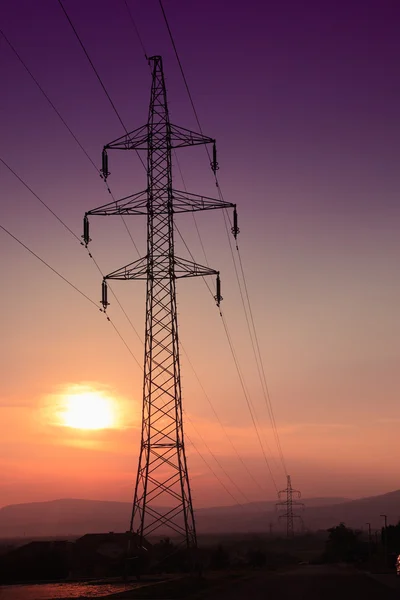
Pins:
<point x="344" y="544"/>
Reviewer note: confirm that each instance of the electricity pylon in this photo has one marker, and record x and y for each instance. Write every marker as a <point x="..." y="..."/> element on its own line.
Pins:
<point x="162" y="497"/>
<point x="288" y="503"/>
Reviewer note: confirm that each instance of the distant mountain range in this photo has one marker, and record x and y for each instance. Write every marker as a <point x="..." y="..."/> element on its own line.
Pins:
<point x="76" y="517"/>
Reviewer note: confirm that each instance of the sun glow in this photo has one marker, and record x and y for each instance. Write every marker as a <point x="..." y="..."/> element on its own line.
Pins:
<point x="87" y="410"/>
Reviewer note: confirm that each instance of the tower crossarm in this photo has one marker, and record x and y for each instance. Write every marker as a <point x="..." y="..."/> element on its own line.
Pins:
<point x="139" y="270"/>
<point x="286" y="514"/>
<point x="187" y="268"/>
<point x="188" y="202"/>
<point x="135" y="140"/>
<point x="181" y="137"/>
<point x="138" y="139"/>
<point x="136" y="204"/>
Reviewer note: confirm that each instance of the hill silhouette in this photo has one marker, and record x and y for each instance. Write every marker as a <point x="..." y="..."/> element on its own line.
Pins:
<point x="75" y="517"/>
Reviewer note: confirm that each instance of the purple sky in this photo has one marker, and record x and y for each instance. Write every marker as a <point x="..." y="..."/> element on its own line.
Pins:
<point x="303" y="99"/>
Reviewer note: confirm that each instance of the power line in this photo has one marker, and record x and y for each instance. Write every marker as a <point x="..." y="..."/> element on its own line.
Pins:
<point x="193" y="214"/>
<point x="117" y="332"/>
<point x="92" y="65"/>
<point x="70" y="284"/>
<point x="179" y="233"/>
<point x="116" y="299"/>
<point x="181" y="67"/>
<point x="49" y="267"/>
<point x="251" y="338"/>
<point x="71" y="232"/>
<point x="220" y="422"/>
<point x="115" y="110"/>
<point x="217" y="460"/>
<point x="92" y="162"/>
<point x="97" y="74"/>
<point x="263" y="378"/>
<point x="247" y="399"/>
<point x="136" y="29"/>
<point x="120" y="119"/>
<point x="47" y="97"/>
<point x="259" y="358"/>
<point x="255" y="344"/>
<point x="124" y="342"/>
<point x="40" y="200"/>
<point x="92" y="301"/>
<point x="213" y="472"/>
<point x="67" y="127"/>
<point x="74" y="287"/>
<point x="111" y="102"/>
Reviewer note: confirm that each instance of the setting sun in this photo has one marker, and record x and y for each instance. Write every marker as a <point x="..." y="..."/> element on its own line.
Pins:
<point x="87" y="410"/>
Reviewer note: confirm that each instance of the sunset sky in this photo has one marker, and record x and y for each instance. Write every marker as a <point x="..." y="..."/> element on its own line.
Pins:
<point x="303" y="99"/>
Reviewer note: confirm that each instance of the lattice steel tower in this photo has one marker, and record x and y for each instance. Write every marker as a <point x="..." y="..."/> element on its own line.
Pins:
<point x="289" y="503"/>
<point x="162" y="476"/>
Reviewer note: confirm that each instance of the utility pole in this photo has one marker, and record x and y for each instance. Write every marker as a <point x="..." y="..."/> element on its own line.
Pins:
<point x="369" y="540"/>
<point x="162" y="476"/>
<point x="385" y="540"/>
<point x="289" y="494"/>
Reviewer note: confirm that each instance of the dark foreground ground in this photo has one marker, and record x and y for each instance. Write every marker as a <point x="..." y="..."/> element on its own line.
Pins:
<point x="308" y="583"/>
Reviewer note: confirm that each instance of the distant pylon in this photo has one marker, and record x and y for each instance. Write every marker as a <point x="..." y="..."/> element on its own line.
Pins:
<point x="162" y="497"/>
<point x="289" y="493"/>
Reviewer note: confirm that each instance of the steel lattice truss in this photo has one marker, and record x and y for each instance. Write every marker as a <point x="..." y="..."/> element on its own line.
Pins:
<point x="162" y="496"/>
<point x="289" y="503"/>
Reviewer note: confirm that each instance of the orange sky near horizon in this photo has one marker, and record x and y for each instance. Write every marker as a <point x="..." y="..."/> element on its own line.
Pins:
<point x="304" y="108"/>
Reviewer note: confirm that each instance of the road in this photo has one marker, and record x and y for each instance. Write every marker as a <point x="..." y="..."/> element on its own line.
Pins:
<point x="311" y="582"/>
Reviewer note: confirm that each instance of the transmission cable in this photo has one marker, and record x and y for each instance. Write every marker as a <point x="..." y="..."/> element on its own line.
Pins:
<point x="49" y="266"/>
<point x="261" y="366"/>
<point x="14" y="237"/>
<point x="202" y="245"/>
<point x="106" y="315"/>
<point x="247" y="399"/>
<point x="217" y="460"/>
<point x="93" y="303"/>
<point x="220" y="422"/>
<point x="251" y="338"/>
<point x="40" y="200"/>
<point x="108" y="96"/>
<point x="95" y="167"/>
<point x="92" y="65"/>
<point x="136" y="30"/>
<point x="213" y="472"/>
<point x="180" y="66"/>
<point x="75" y="236"/>
<point x="263" y="377"/>
<point x="97" y="74"/>
<point x="47" y="98"/>
<point x="67" y="127"/>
